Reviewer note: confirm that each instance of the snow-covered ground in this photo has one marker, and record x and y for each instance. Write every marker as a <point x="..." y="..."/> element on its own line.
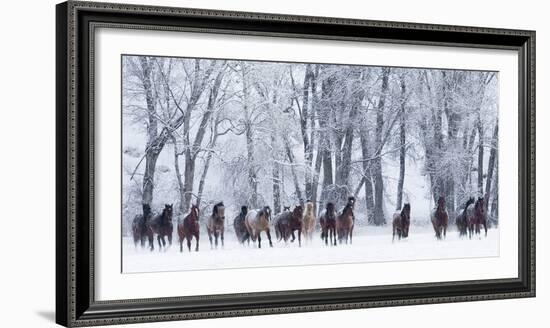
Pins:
<point x="370" y="244"/>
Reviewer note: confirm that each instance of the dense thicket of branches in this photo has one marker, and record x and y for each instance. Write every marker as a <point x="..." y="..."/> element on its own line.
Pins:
<point x="255" y="133"/>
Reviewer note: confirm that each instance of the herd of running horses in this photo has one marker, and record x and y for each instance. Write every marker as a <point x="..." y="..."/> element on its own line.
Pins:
<point x="249" y="224"/>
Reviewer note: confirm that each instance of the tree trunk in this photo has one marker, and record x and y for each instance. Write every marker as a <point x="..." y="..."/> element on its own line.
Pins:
<point x="402" y="150"/>
<point x="379" y="218"/>
<point x="480" y="155"/>
<point x="491" y="166"/>
<point x="153" y="149"/>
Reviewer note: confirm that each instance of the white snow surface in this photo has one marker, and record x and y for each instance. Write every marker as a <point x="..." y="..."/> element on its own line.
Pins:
<point x="370" y="244"/>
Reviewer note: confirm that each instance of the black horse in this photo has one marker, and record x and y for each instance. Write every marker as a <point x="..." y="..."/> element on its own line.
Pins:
<point x="240" y="228"/>
<point x="139" y="225"/>
<point x="162" y="226"/>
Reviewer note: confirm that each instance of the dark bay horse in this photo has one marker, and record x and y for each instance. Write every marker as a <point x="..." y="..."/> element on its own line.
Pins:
<point x="345" y="222"/>
<point x="478" y="218"/>
<point x="257" y="221"/>
<point x="216" y="224"/>
<point x="162" y="226"/>
<point x="440" y="219"/>
<point x="328" y="224"/>
<point x="189" y="228"/>
<point x="240" y="227"/>
<point x="139" y="225"/>
<point x="462" y="219"/>
<point x="288" y="222"/>
<point x="401" y="222"/>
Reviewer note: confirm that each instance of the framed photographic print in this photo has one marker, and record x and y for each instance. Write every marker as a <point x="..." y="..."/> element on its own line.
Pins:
<point x="214" y="163"/>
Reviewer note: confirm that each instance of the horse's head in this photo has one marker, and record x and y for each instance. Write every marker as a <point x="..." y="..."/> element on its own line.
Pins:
<point x="244" y="210"/>
<point x="286" y="208"/>
<point x="407" y="209"/>
<point x="351" y="201"/>
<point x="330" y="207"/>
<point x="267" y="212"/>
<point x="480" y="206"/>
<point x="195" y="211"/>
<point x="309" y="206"/>
<point x="146" y="210"/>
<point x="441" y="203"/>
<point x="219" y="211"/>
<point x="168" y="211"/>
<point x="298" y="211"/>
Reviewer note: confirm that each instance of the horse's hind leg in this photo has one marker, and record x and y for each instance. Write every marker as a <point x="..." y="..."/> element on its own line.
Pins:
<point x="485" y="227"/>
<point x="351" y="235"/>
<point x="299" y="237"/>
<point x="221" y="237"/>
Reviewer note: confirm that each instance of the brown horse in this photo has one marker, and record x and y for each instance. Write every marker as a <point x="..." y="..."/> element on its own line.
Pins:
<point x="139" y="225"/>
<point x="401" y="222"/>
<point x="257" y="221"/>
<point x="440" y="219"/>
<point x="462" y="219"/>
<point x="216" y="224"/>
<point x="328" y="224"/>
<point x="478" y="218"/>
<point x="189" y="228"/>
<point x="162" y="226"/>
<point x="240" y="227"/>
<point x="345" y="222"/>
<point x="288" y="222"/>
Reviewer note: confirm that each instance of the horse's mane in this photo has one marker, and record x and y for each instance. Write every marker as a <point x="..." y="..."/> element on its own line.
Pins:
<point x="215" y="208"/>
<point x="468" y="203"/>
<point x="405" y="212"/>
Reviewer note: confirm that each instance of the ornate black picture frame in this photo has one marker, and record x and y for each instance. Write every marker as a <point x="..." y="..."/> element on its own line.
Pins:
<point x="75" y="301"/>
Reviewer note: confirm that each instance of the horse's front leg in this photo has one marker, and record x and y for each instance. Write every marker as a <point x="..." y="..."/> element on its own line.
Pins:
<point x="197" y="244"/>
<point x="485" y="227"/>
<point x="351" y="235"/>
<point x="221" y="237"/>
<point x="259" y="239"/>
<point x="299" y="237"/>
<point x="189" y="242"/>
<point x="269" y="237"/>
<point x="210" y="238"/>
<point x="216" y="238"/>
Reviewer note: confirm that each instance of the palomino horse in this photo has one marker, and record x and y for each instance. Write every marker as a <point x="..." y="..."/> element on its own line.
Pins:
<point x="440" y="219"/>
<point x="139" y="225"/>
<point x="257" y="221"/>
<point x="288" y="222"/>
<point x="162" y="226"/>
<point x="401" y="222"/>
<point x="462" y="219"/>
<point x="328" y="224"/>
<point x="240" y="227"/>
<point x="216" y="224"/>
<point x="189" y="228"/>
<point x="345" y="222"/>
<point x="309" y="221"/>
<point x="478" y="218"/>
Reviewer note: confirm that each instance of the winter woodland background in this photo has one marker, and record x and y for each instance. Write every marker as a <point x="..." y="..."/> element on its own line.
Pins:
<point x="267" y="133"/>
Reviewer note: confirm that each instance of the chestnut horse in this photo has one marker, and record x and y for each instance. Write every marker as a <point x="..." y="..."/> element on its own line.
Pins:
<point x="462" y="219"/>
<point x="401" y="222"/>
<point x="309" y="221"/>
<point x="328" y="224"/>
<point x="478" y="218"/>
<point x="257" y="221"/>
<point x="240" y="227"/>
<point x="288" y="222"/>
<point x="162" y="226"/>
<point x="189" y="228"/>
<point x="216" y="224"/>
<point x="345" y="222"/>
<point x="440" y="218"/>
<point x="139" y="225"/>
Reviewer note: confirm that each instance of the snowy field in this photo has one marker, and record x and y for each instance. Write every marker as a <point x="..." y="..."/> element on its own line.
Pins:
<point x="370" y="244"/>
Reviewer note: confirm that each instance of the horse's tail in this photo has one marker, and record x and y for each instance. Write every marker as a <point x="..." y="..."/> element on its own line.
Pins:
<point x="278" y="233"/>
